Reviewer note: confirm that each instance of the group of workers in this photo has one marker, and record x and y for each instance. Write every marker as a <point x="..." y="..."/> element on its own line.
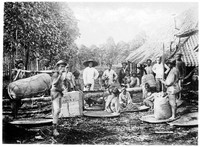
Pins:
<point x="167" y="78"/>
<point x="161" y="77"/>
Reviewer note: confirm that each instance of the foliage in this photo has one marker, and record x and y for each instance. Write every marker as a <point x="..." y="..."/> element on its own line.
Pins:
<point x="110" y="51"/>
<point x="47" y="28"/>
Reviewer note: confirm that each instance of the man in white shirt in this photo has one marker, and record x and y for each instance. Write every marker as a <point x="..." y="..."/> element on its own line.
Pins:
<point x="90" y="73"/>
<point x="109" y="75"/>
<point x="158" y="69"/>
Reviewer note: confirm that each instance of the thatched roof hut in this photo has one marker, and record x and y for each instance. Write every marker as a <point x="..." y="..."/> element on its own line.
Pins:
<point x="189" y="37"/>
<point x="185" y="36"/>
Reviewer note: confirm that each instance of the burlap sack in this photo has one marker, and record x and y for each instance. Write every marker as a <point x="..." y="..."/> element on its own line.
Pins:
<point x="149" y="79"/>
<point x="29" y="87"/>
<point x="162" y="108"/>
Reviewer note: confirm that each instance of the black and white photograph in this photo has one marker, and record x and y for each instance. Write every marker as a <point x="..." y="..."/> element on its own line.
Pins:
<point x="100" y="73"/>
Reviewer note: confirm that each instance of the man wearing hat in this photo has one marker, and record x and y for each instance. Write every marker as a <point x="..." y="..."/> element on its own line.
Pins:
<point x="109" y="75"/>
<point x="172" y="86"/>
<point x="90" y="73"/>
<point x="57" y="93"/>
<point x="122" y="72"/>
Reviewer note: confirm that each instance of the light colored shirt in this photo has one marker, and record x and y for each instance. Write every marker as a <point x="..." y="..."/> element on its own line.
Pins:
<point x="148" y="79"/>
<point x="125" y="98"/>
<point x="172" y="77"/>
<point x="158" y="69"/>
<point x="89" y="75"/>
<point x="111" y="75"/>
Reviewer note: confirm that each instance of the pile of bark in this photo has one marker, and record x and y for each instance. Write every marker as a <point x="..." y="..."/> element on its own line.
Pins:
<point x="41" y="106"/>
<point x="31" y="107"/>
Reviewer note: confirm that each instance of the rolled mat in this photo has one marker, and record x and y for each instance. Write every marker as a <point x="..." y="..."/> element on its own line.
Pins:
<point x="190" y="119"/>
<point x="152" y="119"/>
<point x="31" y="121"/>
<point x="100" y="114"/>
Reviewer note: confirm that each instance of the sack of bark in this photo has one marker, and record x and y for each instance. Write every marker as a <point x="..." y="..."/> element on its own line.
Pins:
<point x="149" y="79"/>
<point x="28" y="87"/>
<point x="162" y="108"/>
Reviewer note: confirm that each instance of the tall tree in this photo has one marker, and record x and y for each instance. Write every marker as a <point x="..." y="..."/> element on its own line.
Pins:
<point x="47" y="28"/>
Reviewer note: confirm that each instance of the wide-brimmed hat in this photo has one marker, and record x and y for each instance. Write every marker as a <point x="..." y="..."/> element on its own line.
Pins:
<point x="86" y="63"/>
<point x="124" y="63"/>
<point x="61" y="62"/>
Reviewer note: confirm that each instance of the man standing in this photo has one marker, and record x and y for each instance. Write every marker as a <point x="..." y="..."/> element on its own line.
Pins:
<point x="180" y="65"/>
<point x="57" y="93"/>
<point x="148" y="68"/>
<point x="122" y="72"/>
<point x="17" y="73"/>
<point x="69" y="79"/>
<point x="158" y="69"/>
<point x="173" y="89"/>
<point x="90" y="73"/>
<point x="109" y="75"/>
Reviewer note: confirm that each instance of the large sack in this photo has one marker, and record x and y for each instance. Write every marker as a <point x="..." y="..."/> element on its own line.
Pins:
<point x="162" y="108"/>
<point x="149" y="79"/>
<point x="28" y="87"/>
<point x="72" y="104"/>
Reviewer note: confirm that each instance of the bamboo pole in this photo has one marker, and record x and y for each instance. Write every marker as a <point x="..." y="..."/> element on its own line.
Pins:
<point x="163" y="62"/>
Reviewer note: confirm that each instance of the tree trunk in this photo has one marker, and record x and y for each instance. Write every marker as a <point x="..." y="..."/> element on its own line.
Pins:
<point x="27" y="58"/>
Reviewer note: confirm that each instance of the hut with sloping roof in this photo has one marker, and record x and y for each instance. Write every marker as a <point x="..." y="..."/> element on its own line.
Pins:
<point x="183" y="38"/>
<point x="188" y="36"/>
<point x="153" y="47"/>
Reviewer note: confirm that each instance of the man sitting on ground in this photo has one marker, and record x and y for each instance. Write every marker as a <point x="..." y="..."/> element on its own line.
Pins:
<point x="149" y="97"/>
<point x="124" y="99"/>
<point x="112" y="102"/>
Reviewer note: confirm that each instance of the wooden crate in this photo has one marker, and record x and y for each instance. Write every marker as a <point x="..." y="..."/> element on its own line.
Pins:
<point x="72" y="104"/>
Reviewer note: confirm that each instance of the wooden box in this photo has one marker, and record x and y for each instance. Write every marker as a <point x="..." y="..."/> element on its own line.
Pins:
<point x="72" y="104"/>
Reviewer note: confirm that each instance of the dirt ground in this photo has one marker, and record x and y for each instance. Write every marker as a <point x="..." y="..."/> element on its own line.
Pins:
<point x="127" y="129"/>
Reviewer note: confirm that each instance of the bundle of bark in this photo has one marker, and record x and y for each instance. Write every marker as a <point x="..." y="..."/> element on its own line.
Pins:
<point x="41" y="106"/>
<point x="31" y="107"/>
